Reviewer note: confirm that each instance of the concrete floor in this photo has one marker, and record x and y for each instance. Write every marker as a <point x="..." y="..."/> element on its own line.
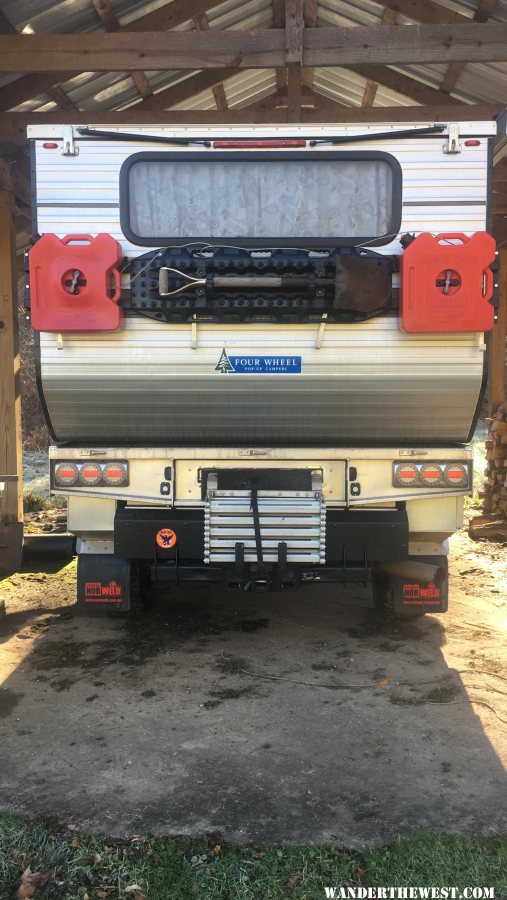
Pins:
<point x="258" y="717"/>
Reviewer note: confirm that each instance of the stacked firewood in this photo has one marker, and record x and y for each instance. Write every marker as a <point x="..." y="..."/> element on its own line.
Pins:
<point x="493" y="523"/>
<point x="495" y="495"/>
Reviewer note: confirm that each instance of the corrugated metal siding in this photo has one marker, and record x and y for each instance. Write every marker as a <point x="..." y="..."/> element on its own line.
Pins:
<point x="478" y="80"/>
<point x="346" y="87"/>
<point x="368" y="382"/>
<point x="50" y="15"/>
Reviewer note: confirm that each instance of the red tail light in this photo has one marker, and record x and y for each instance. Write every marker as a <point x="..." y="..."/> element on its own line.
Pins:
<point x="85" y="473"/>
<point x="66" y="474"/>
<point x="90" y="474"/>
<point x="407" y="474"/>
<point x="456" y="475"/>
<point x="115" y="474"/>
<point x="431" y="474"/>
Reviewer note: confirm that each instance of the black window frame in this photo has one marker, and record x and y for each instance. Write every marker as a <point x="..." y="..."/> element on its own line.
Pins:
<point x="313" y="242"/>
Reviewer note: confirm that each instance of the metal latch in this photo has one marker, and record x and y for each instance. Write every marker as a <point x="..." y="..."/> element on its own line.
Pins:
<point x="453" y="145"/>
<point x="68" y="146"/>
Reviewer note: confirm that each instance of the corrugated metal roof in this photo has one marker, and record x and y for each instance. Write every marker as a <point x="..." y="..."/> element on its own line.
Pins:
<point x="116" y="90"/>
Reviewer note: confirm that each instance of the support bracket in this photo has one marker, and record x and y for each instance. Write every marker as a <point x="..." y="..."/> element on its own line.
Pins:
<point x="68" y="146"/>
<point x="453" y="145"/>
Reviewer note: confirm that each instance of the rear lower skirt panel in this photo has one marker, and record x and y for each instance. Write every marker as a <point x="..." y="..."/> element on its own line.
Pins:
<point x="369" y="382"/>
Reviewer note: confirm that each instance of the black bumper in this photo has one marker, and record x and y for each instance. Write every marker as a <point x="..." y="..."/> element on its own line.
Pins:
<point x="355" y="539"/>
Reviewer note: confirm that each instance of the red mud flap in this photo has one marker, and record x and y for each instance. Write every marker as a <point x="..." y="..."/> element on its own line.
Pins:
<point x="398" y="594"/>
<point x="103" y="583"/>
<point x="411" y="597"/>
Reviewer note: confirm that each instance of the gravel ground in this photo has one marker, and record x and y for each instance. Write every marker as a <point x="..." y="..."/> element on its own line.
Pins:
<point x="259" y="717"/>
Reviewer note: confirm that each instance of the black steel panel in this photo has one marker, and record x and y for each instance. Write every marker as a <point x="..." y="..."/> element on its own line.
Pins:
<point x="258" y="479"/>
<point x="380" y="534"/>
<point x="135" y="532"/>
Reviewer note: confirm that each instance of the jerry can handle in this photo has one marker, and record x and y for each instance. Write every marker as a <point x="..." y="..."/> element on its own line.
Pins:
<point x="69" y="238"/>
<point x="117" y="283"/>
<point x="488" y="282"/>
<point x="452" y="235"/>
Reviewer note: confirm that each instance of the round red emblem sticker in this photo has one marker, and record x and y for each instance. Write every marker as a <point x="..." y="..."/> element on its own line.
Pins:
<point x="166" y="538"/>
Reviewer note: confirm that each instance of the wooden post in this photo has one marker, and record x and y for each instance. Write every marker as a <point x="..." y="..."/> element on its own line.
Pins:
<point x="294" y="28"/>
<point x="11" y="497"/>
<point x="497" y="358"/>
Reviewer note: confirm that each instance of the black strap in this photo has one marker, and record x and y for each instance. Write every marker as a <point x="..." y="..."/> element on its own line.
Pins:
<point x="254" y="506"/>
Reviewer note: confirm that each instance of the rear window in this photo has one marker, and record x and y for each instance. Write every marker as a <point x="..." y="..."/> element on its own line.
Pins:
<point x="312" y="197"/>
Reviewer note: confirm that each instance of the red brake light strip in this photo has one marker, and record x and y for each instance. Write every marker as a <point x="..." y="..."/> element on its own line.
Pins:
<point x="221" y="145"/>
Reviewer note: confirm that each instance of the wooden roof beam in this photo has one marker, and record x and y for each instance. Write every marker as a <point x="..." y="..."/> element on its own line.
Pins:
<point x="427" y="12"/>
<point x="56" y="94"/>
<point x="310" y="21"/>
<point x="184" y="90"/>
<point x="310" y="101"/>
<point x="264" y="48"/>
<point x="202" y="24"/>
<point x="294" y="29"/>
<point x="166" y="17"/>
<point x="110" y="22"/>
<point x="279" y="22"/>
<point x="432" y="13"/>
<point x="309" y="98"/>
<point x="370" y="91"/>
<point x="310" y="18"/>
<point x="403" y="84"/>
<point x="454" y="70"/>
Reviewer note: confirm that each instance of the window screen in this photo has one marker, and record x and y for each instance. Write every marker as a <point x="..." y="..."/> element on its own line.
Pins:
<point x="309" y="197"/>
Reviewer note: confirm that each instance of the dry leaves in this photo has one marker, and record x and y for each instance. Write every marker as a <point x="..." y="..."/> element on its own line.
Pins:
<point x="29" y="883"/>
<point x="293" y="879"/>
<point x="74" y="843"/>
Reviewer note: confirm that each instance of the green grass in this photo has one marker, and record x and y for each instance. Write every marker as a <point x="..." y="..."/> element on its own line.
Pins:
<point x="186" y="868"/>
<point x="34" y="502"/>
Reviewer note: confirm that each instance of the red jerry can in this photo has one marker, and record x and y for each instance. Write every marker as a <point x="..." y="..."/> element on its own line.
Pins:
<point x="75" y="286"/>
<point x="446" y="287"/>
